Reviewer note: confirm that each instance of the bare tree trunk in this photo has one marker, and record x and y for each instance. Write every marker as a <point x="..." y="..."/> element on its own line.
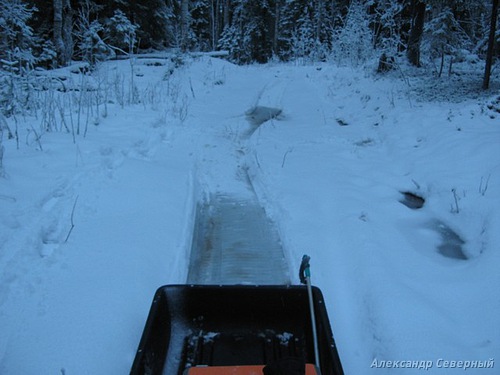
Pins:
<point x="67" y="31"/>
<point x="219" y="19"/>
<point x="417" y="28"/>
<point x="442" y="64"/>
<point x="62" y="34"/>
<point x="491" y="45"/>
<point x="276" y="26"/>
<point x="184" y="24"/>
<point x="58" y="22"/>
<point x="214" y="20"/>
<point x="226" y="13"/>
<point x="319" y="19"/>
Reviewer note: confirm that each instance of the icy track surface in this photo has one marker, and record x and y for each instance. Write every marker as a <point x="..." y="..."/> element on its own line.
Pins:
<point x="236" y="243"/>
<point x="234" y="240"/>
<point x="326" y="172"/>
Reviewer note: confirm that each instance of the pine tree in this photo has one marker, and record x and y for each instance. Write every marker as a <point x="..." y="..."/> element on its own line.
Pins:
<point x="120" y="32"/>
<point x="387" y="24"/>
<point x="218" y="18"/>
<point x="354" y="41"/>
<point x="16" y="57"/>
<point x="295" y="29"/>
<point x="303" y="40"/>
<point x="249" y="36"/>
<point x="445" y="37"/>
<point x="16" y="36"/>
<point x="154" y="20"/>
<point x="89" y="34"/>
<point x="170" y="16"/>
<point x="200" y="15"/>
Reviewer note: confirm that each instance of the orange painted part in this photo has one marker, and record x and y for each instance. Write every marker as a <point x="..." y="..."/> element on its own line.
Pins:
<point x="237" y="370"/>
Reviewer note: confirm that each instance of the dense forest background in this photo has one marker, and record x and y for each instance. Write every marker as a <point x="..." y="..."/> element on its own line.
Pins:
<point x="52" y="33"/>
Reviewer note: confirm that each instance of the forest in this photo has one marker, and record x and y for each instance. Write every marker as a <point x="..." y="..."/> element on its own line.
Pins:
<point x="52" y="33"/>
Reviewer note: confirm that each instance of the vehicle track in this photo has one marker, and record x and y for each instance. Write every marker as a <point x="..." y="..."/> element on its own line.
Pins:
<point x="234" y="240"/>
<point x="236" y="243"/>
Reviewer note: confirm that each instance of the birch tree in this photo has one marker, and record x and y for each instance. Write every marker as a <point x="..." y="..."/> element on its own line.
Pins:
<point x="63" y="30"/>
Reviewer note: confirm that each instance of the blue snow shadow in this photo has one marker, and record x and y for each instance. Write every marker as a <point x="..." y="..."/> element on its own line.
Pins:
<point x="259" y="114"/>
<point x="452" y="244"/>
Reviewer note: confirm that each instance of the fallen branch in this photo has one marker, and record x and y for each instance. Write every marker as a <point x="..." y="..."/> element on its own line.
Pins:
<point x="483" y="185"/>
<point x="284" y="156"/>
<point x="72" y="221"/>
<point x="457" y="209"/>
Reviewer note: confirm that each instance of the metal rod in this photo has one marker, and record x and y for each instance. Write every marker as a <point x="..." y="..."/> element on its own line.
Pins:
<point x="305" y="278"/>
<point x="313" y="321"/>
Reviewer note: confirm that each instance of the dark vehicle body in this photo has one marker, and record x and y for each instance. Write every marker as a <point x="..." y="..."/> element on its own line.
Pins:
<point x="235" y="325"/>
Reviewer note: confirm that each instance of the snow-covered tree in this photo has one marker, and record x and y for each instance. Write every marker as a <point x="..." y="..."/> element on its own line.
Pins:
<point x="303" y="40"/>
<point x="218" y="18"/>
<point x="386" y="23"/>
<point x="167" y="15"/>
<point x="354" y="41"/>
<point x="304" y="29"/>
<point x="91" y="45"/>
<point x="120" y="32"/>
<point x="200" y="15"/>
<point x="16" y="56"/>
<point x="16" y="36"/>
<point x="445" y="37"/>
<point x="249" y="36"/>
<point x="236" y="41"/>
<point x="158" y="22"/>
<point x="296" y="29"/>
<point x="155" y="19"/>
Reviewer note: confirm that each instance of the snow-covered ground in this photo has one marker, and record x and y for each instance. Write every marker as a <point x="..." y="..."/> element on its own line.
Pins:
<point x="89" y="229"/>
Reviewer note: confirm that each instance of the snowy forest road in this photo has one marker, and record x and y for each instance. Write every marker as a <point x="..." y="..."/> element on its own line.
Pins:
<point x="234" y="241"/>
<point x="326" y="175"/>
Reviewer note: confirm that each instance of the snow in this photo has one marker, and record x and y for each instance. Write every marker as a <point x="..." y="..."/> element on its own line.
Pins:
<point x="329" y="170"/>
